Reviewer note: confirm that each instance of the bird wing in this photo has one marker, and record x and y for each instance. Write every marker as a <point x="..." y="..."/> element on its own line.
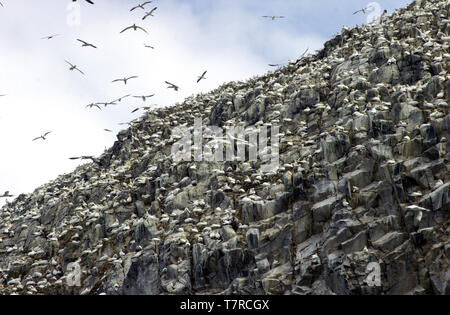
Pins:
<point x="141" y="29"/>
<point x="82" y="41"/>
<point x="89" y="1"/>
<point x="153" y="10"/>
<point x="37" y="138"/>
<point x="134" y="8"/>
<point x="48" y="132"/>
<point x="69" y="63"/>
<point x="79" y="71"/>
<point x="126" y="28"/>
<point x="117" y="80"/>
<point x="135" y="110"/>
<point x="304" y="52"/>
<point x="133" y="77"/>
<point x="357" y="12"/>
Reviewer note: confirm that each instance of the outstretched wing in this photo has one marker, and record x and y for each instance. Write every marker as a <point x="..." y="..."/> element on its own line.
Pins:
<point x="126" y="28"/>
<point x="80" y="71"/>
<point x="141" y="29"/>
<point x="69" y="63"/>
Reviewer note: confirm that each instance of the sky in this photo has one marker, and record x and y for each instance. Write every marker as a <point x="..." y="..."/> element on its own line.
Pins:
<point x="228" y="38"/>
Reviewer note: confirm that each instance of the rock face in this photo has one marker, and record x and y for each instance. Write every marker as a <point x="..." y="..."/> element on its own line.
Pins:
<point x="359" y="205"/>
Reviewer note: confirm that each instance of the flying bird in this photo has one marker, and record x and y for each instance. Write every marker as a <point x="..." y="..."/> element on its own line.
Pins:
<point x="274" y="65"/>
<point x="148" y="46"/>
<point x="147" y="14"/>
<point x="142" y="6"/>
<point x="50" y="37"/>
<point x="74" y="67"/>
<point x="1" y="4"/>
<point x="304" y="52"/>
<point x="43" y="137"/>
<point x="93" y="105"/>
<point x="88" y="1"/>
<point x="6" y="194"/>
<point x="172" y="86"/>
<point x="120" y="98"/>
<point x="144" y="97"/>
<point x="134" y="27"/>
<point x="363" y="10"/>
<point x="1" y="95"/>
<point x="86" y="44"/>
<point x="86" y="157"/>
<point x="201" y="77"/>
<point x="107" y="130"/>
<point x="273" y="17"/>
<point x="125" y="79"/>
<point x="107" y="103"/>
<point x="143" y="107"/>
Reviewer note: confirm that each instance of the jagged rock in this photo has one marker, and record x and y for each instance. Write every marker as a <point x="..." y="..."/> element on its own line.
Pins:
<point x="362" y="181"/>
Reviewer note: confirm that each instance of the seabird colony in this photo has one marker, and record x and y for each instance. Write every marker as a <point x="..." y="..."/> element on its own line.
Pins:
<point x="363" y="179"/>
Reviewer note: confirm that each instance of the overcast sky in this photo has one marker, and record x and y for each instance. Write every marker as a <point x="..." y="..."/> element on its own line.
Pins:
<point x="228" y="38"/>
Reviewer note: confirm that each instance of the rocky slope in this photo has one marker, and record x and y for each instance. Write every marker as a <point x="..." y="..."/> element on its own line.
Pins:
<point x="363" y="185"/>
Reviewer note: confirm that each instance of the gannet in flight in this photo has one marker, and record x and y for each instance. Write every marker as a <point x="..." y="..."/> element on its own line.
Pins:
<point x="201" y="77"/>
<point x="122" y="97"/>
<point x="141" y="5"/>
<point x="147" y="14"/>
<point x="125" y="79"/>
<point x="172" y="86"/>
<point x="273" y="17"/>
<point x="363" y="10"/>
<point x="50" y="37"/>
<point x="74" y="67"/>
<point x="88" y="1"/>
<point x="143" y="107"/>
<point x="43" y="137"/>
<point x="93" y="105"/>
<point x="107" y="103"/>
<point x="144" y="97"/>
<point x="148" y="46"/>
<point x="86" y="44"/>
<point x="6" y="194"/>
<point x="134" y="27"/>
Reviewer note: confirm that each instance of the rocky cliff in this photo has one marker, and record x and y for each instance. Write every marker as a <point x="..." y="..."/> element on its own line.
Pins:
<point x="359" y="205"/>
